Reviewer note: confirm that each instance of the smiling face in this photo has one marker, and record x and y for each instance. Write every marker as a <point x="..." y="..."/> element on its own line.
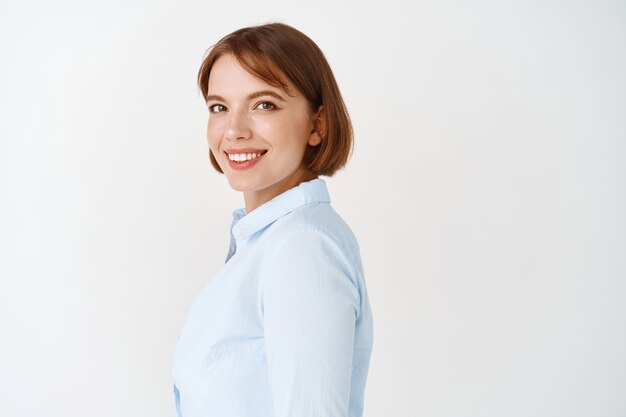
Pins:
<point x="248" y="114"/>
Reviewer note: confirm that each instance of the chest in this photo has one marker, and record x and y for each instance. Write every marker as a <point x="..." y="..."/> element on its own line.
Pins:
<point x="226" y="315"/>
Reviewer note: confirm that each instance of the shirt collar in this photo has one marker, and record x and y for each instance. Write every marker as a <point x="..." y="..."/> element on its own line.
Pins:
<point x="246" y="224"/>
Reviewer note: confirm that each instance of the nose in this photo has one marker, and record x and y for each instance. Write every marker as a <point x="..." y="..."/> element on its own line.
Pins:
<point x="238" y="125"/>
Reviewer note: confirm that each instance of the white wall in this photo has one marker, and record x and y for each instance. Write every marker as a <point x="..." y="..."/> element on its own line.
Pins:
<point x="487" y="189"/>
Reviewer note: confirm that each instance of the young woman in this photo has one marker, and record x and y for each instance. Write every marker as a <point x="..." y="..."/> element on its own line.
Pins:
<point x="284" y="329"/>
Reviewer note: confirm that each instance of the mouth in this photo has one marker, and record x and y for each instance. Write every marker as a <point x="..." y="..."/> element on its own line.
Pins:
<point x="241" y="158"/>
<point x="244" y="161"/>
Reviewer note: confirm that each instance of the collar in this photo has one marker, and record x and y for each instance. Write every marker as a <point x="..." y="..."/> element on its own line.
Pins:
<point x="246" y="224"/>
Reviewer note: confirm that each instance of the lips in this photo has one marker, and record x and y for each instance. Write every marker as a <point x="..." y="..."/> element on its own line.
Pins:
<point x="246" y="164"/>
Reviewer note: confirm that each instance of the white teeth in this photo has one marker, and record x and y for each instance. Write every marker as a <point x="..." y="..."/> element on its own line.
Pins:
<point x="242" y="156"/>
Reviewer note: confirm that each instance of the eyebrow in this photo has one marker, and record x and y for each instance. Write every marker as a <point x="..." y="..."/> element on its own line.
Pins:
<point x="251" y="96"/>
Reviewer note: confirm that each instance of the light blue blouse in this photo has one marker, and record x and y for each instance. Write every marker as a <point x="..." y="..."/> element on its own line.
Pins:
<point x="284" y="329"/>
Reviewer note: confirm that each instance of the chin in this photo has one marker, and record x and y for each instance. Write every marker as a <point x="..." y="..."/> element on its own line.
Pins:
<point x="243" y="185"/>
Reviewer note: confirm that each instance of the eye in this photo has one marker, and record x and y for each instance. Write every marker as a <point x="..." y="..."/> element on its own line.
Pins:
<point x="213" y="108"/>
<point x="267" y="105"/>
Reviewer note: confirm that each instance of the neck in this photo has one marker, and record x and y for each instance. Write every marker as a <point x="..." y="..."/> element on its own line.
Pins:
<point x="254" y="199"/>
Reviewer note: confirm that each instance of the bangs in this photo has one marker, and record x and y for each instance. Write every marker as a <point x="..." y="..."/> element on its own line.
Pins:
<point x="260" y="65"/>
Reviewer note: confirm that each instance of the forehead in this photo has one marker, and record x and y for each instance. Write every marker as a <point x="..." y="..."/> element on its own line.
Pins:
<point x="229" y="77"/>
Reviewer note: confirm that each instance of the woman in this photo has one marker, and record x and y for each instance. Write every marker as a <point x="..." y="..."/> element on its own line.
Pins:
<point x="285" y="328"/>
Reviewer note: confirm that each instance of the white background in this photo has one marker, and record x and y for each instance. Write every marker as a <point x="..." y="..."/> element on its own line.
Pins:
<point x="487" y="190"/>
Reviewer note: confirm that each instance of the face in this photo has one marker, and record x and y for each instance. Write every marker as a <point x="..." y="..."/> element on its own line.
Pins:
<point x="248" y="116"/>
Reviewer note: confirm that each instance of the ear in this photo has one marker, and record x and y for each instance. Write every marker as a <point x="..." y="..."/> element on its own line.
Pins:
<point x="319" y="124"/>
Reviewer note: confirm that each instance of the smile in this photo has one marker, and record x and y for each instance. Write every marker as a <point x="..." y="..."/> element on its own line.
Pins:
<point x="243" y="161"/>
<point x="242" y="157"/>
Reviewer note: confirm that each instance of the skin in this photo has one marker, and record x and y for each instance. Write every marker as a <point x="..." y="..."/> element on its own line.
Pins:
<point x="283" y="127"/>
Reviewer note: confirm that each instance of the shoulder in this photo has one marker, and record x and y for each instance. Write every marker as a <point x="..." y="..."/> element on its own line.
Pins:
<point x="315" y="221"/>
<point x="313" y="244"/>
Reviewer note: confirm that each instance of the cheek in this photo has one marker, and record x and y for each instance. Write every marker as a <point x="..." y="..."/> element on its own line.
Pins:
<point x="213" y="134"/>
<point x="284" y="131"/>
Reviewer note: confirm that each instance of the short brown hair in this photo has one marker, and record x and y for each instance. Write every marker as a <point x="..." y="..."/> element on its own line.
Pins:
<point x="272" y="50"/>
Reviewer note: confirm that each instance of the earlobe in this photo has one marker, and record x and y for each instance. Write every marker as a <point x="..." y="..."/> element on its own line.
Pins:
<point x="315" y="139"/>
